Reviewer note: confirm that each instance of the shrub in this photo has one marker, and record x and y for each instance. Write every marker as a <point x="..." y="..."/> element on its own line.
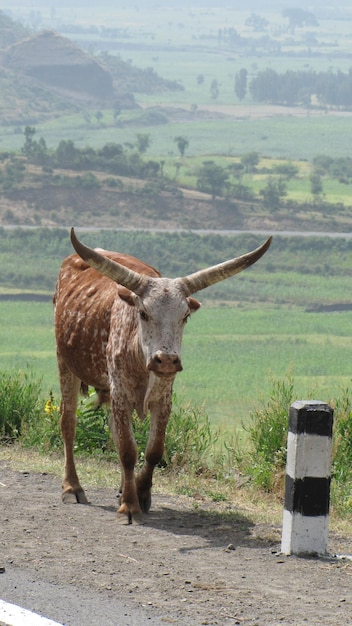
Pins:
<point x="189" y="438"/>
<point x="41" y="430"/>
<point x="92" y="430"/>
<point x="267" y="432"/>
<point x="19" y="402"/>
<point x="341" y="471"/>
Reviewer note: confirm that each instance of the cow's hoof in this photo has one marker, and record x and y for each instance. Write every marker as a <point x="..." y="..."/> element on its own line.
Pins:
<point x="123" y="519"/>
<point x="71" y="497"/>
<point x="145" y="501"/>
<point x="138" y="519"/>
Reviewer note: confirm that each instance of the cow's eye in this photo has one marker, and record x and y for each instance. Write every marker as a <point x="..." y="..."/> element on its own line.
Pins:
<point x="143" y="316"/>
<point x="186" y="318"/>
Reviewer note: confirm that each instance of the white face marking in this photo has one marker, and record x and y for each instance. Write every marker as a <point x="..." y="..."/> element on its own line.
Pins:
<point x="163" y="312"/>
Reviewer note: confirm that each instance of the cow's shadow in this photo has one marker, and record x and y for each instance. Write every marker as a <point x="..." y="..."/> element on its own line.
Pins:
<point x="222" y="526"/>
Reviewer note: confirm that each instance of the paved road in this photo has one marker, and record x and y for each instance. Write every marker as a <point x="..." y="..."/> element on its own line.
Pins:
<point x="64" y="604"/>
<point x="281" y="233"/>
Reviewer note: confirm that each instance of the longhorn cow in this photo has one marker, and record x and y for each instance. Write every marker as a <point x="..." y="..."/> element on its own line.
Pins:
<point x="119" y="327"/>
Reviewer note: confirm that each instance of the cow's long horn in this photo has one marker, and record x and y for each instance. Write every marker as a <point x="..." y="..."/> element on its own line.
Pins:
<point x="211" y="275"/>
<point x="117" y="272"/>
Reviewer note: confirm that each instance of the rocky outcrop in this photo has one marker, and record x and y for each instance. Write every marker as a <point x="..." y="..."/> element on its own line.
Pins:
<point x="57" y="62"/>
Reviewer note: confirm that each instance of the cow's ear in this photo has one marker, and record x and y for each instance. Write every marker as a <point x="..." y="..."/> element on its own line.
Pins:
<point x="193" y="304"/>
<point x="127" y="296"/>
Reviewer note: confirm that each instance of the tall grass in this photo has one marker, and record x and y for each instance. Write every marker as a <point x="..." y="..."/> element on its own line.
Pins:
<point x="19" y="403"/>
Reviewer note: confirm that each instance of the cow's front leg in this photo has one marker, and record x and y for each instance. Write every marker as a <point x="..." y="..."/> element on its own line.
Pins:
<point x="129" y="511"/>
<point x="159" y="417"/>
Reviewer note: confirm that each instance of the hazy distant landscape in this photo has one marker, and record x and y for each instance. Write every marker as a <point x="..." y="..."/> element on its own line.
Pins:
<point x="209" y="117"/>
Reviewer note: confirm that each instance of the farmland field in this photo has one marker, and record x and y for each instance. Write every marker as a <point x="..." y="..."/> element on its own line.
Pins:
<point x="230" y="356"/>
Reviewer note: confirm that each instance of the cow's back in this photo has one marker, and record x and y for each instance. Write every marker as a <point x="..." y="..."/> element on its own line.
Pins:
<point x="83" y="301"/>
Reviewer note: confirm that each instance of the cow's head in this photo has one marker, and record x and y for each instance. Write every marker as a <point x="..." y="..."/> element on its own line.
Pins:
<point x="163" y="304"/>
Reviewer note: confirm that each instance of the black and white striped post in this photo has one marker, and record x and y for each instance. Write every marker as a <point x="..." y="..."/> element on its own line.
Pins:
<point x="307" y="494"/>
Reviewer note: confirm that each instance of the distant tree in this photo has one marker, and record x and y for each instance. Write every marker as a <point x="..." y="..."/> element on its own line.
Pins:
<point x="237" y="170"/>
<point x="250" y="160"/>
<point x="241" y="83"/>
<point x="322" y="163"/>
<point x="143" y="142"/>
<point x="214" y="89"/>
<point x="35" y="151"/>
<point x="29" y="133"/>
<point x="200" y="79"/>
<point x="111" y="150"/>
<point x="13" y="175"/>
<point x="273" y="193"/>
<point x="341" y="168"/>
<point x="150" y="169"/>
<point x="299" y="17"/>
<point x="66" y="154"/>
<point x="182" y="144"/>
<point x="242" y="192"/>
<point x="264" y="87"/>
<point x="257" y="22"/>
<point x="178" y="166"/>
<point x="287" y="170"/>
<point x="316" y="185"/>
<point x="212" y="179"/>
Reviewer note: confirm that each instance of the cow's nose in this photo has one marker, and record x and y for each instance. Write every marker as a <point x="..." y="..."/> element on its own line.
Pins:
<point x="165" y="364"/>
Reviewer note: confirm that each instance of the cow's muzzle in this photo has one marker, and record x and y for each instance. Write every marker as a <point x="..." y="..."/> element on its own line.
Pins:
<point x="163" y="364"/>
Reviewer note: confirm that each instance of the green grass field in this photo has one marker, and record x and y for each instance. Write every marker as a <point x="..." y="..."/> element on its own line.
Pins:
<point x="230" y="356"/>
<point x="276" y="137"/>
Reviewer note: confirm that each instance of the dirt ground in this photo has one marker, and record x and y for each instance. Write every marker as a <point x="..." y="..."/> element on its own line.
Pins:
<point x="188" y="564"/>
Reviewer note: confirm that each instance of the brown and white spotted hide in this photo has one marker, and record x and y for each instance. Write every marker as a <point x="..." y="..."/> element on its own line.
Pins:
<point x="119" y="328"/>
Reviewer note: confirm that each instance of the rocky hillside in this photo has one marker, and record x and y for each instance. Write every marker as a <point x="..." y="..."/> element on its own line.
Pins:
<point x="43" y="75"/>
<point x="55" y="61"/>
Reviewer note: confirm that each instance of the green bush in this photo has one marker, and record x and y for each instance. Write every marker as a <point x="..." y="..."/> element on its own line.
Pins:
<point x="19" y="402"/>
<point x="267" y="432"/>
<point x="341" y="471"/>
<point x="92" y="430"/>
<point x="189" y="438"/>
<point x="41" y="430"/>
<point x="265" y="461"/>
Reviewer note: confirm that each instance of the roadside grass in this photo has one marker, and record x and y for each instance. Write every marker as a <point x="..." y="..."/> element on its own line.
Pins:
<point x="261" y="507"/>
<point x="200" y="461"/>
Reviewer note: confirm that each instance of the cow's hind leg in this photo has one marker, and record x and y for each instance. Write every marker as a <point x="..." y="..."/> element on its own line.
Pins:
<point x="70" y="385"/>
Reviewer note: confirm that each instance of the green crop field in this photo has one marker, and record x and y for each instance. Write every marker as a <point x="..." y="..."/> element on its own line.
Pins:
<point x="277" y="137"/>
<point x="230" y="356"/>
